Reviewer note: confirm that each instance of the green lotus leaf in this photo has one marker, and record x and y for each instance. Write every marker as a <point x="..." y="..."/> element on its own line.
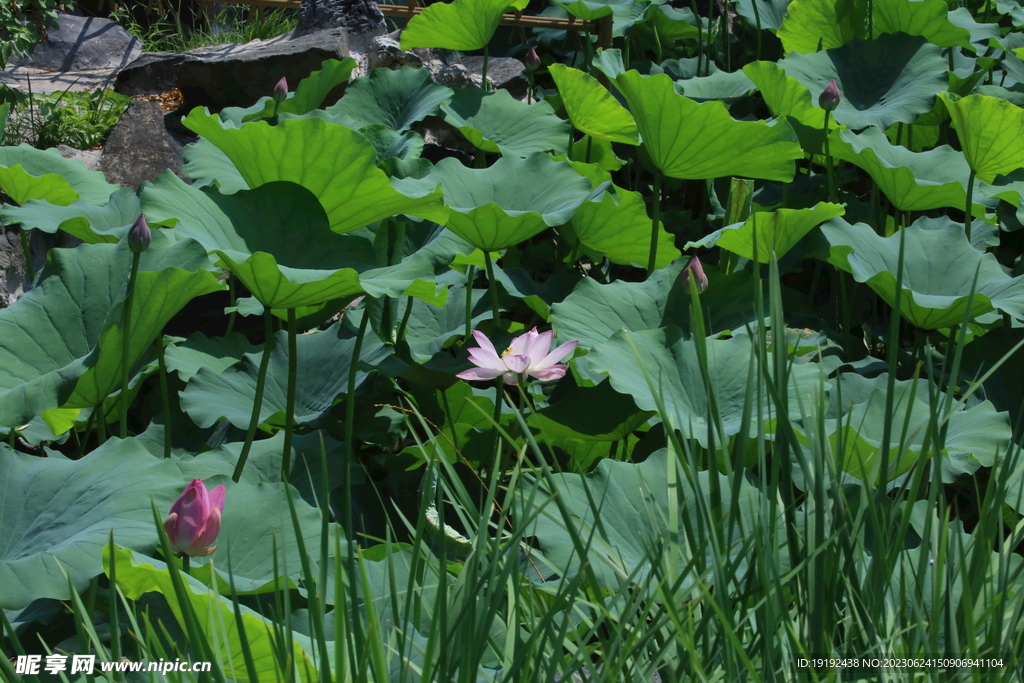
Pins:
<point x="721" y="85"/>
<point x="589" y="10"/>
<point x="671" y="23"/>
<point x="770" y="13"/>
<point x="617" y="226"/>
<point x="974" y="435"/>
<point x="462" y="25"/>
<point x="926" y="18"/>
<point x="777" y="231"/>
<point x="431" y="329"/>
<point x="310" y="92"/>
<point x="609" y="62"/>
<point x="61" y="342"/>
<point x="335" y="163"/>
<point x="499" y="207"/>
<point x="829" y="23"/>
<point x="215" y="616"/>
<point x="29" y="173"/>
<point x="784" y="95"/>
<point x="893" y="78"/>
<point x="670" y="361"/>
<point x="991" y="133"/>
<point x="496" y="122"/>
<point x="590" y="414"/>
<point x="90" y="223"/>
<point x="58" y="514"/>
<point x="912" y="181"/>
<point x="632" y="503"/>
<point x="981" y="34"/>
<point x="938" y="271"/>
<point x="396" y="99"/>
<point x="392" y="145"/>
<point x="323" y="364"/>
<point x="188" y="356"/>
<point x="591" y="108"/>
<point x="688" y="140"/>
<point x="5" y="109"/>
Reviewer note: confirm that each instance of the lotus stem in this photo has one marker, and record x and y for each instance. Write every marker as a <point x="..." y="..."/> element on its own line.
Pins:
<point x="652" y="259"/>
<point x="757" y="22"/>
<point x="350" y="430"/>
<point x="185" y="566"/>
<point x="232" y="298"/>
<point x="30" y="267"/>
<point x="165" y="396"/>
<point x="590" y="140"/>
<point x="700" y="35"/>
<point x="483" y="70"/>
<point x="126" y="321"/>
<point x="470" y="276"/>
<point x="871" y="17"/>
<point x="498" y="382"/>
<point x="711" y="46"/>
<point x="257" y="401"/>
<point x="828" y="162"/>
<point x="289" y="410"/>
<point x="968" y="218"/>
<point x="405" y="319"/>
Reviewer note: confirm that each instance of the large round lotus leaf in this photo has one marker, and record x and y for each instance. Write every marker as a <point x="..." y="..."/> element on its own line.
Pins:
<point x="392" y="145"/>
<point x="430" y="329"/>
<point x="769" y="14"/>
<point x="188" y="356"/>
<point x="496" y="122"/>
<point x="309" y="93"/>
<point x="588" y="10"/>
<point x="498" y="207"/>
<point x="893" y="78"/>
<point x="777" y="231"/>
<point x="29" y="173"/>
<point x="56" y="515"/>
<point x="912" y="181"/>
<point x="276" y="240"/>
<point x="785" y="96"/>
<point x="927" y="18"/>
<point x="215" y="617"/>
<point x="673" y="373"/>
<point x="938" y="271"/>
<point x="671" y="23"/>
<point x="991" y="133"/>
<point x="335" y="163"/>
<point x="974" y="435"/>
<point x="617" y="225"/>
<point x="721" y="85"/>
<point x="590" y="414"/>
<point x="323" y="364"/>
<point x="60" y="344"/>
<point x="462" y="25"/>
<point x="87" y="222"/>
<point x="829" y="23"/>
<point x="397" y="99"/>
<point x="620" y="510"/>
<point x="591" y="108"/>
<point x="692" y="141"/>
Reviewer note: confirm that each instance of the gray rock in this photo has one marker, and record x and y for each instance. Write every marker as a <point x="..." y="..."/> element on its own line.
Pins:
<point x="233" y="75"/>
<point x="505" y="73"/>
<point x="89" y="157"/>
<point x="139" y="147"/>
<point x="12" y="266"/>
<point x="83" y="43"/>
<point x="355" y="16"/>
<point x="24" y="78"/>
<point x="385" y="51"/>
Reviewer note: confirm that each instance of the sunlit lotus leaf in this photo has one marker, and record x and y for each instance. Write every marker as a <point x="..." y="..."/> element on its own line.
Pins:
<point x="588" y="10"/>
<point x="991" y="133"/>
<point x="61" y="343"/>
<point x="926" y="18"/>
<point x="591" y="108"/>
<point x="187" y="357"/>
<point x="310" y="92"/>
<point x="396" y="99"/>
<point x="29" y="173"/>
<point x="777" y="231"/>
<point x="323" y="365"/>
<point x="462" y="25"/>
<point x="938" y="271"/>
<point x="496" y="122"/>
<point x="514" y="199"/>
<point x="335" y="163"/>
<point x="721" y="85"/>
<point x="911" y="181"/>
<point x="691" y="141"/>
<point x="893" y="78"/>
<point x="87" y="222"/>
<point x="829" y="23"/>
<point x="56" y="515"/>
<point x="784" y="95"/>
<point x="770" y="13"/>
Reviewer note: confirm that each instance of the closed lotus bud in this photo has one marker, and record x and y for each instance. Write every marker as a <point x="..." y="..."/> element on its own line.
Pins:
<point x="194" y="521"/>
<point x="139" y="236"/>
<point x="698" y="272"/>
<point x="829" y="98"/>
<point x="281" y="90"/>
<point x="531" y="60"/>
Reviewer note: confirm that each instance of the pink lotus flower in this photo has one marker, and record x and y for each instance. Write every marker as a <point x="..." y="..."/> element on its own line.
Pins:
<point x="698" y="272"/>
<point x="528" y="355"/>
<point x="829" y="97"/>
<point x="532" y="60"/>
<point x="281" y="90"/>
<point x="194" y="521"/>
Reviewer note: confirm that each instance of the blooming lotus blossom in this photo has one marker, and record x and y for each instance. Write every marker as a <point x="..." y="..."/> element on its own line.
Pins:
<point x="698" y="272"/>
<point x="529" y="354"/>
<point x="194" y="521"/>
<point x="829" y="97"/>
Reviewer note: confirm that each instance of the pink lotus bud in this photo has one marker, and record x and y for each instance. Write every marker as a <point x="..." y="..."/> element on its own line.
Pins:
<point x="698" y="272"/>
<point x="139" y="236"/>
<point x="281" y="90"/>
<point x="829" y="98"/>
<point x="194" y="521"/>
<point x="531" y="60"/>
